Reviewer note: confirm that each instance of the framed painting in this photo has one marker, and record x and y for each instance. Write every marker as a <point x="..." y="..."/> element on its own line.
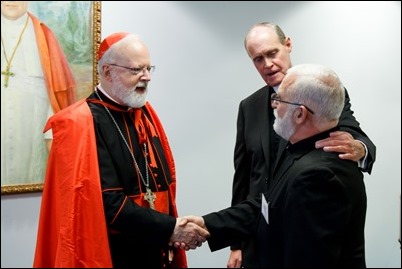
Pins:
<point x="47" y="47"/>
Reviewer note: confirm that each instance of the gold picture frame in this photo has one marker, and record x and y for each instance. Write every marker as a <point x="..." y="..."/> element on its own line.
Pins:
<point x="83" y="88"/>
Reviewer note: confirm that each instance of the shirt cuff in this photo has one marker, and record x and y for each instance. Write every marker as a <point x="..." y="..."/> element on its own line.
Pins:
<point x="362" y="163"/>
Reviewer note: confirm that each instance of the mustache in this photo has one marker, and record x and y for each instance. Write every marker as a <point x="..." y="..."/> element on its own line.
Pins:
<point x="141" y="85"/>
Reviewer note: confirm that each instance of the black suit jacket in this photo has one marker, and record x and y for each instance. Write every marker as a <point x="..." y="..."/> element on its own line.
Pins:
<point x="256" y="149"/>
<point x="316" y="213"/>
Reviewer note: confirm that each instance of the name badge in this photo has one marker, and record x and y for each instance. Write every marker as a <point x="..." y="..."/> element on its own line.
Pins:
<point x="265" y="208"/>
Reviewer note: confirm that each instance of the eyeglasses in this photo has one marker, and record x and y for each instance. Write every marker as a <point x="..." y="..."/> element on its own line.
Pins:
<point x="136" y="71"/>
<point x="276" y="98"/>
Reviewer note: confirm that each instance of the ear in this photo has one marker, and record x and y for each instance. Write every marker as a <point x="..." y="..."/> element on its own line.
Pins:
<point x="288" y="44"/>
<point x="106" y="72"/>
<point x="300" y="114"/>
<point x="105" y="69"/>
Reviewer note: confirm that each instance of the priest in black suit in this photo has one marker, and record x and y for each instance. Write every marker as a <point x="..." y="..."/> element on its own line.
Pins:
<point x="313" y="214"/>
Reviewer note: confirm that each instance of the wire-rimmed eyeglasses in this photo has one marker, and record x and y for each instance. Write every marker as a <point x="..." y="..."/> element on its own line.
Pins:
<point x="136" y="71"/>
<point x="276" y="98"/>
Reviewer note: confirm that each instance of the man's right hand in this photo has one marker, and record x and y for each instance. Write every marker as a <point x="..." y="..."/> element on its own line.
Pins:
<point x="189" y="233"/>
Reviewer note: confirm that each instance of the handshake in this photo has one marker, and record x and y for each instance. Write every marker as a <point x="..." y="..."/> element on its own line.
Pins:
<point x="189" y="233"/>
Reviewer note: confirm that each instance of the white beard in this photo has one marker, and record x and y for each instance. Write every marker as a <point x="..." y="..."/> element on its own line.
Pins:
<point x="128" y="96"/>
<point x="283" y="126"/>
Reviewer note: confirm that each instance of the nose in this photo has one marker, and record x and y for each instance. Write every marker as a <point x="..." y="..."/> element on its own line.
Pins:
<point x="146" y="75"/>
<point x="267" y="62"/>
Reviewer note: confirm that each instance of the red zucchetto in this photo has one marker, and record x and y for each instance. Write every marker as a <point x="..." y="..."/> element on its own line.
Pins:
<point x="109" y="41"/>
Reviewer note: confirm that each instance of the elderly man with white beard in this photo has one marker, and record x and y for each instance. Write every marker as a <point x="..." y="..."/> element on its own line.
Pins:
<point x="109" y="197"/>
<point x="314" y="214"/>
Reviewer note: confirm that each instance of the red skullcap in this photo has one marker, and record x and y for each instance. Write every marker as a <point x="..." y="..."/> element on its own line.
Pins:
<point x="109" y="41"/>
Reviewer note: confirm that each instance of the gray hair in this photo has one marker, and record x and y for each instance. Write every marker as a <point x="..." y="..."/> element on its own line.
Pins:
<point x="318" y="87"/>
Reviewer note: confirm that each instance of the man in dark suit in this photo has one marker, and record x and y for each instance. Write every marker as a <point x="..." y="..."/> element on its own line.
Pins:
<point x="256" y="142"/>
<point x="313" y="214"/>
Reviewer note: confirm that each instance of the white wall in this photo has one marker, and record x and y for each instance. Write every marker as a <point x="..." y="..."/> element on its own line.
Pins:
<point x="202" y="73"/>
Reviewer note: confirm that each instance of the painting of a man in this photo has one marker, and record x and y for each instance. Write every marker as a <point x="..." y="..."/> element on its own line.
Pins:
<point x="36" y="81"/>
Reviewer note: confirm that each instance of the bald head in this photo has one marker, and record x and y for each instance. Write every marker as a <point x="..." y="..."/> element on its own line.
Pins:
<point x="265" y="28"/>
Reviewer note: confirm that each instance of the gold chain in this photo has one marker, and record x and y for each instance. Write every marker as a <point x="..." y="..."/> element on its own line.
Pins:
<point x="7" y="73"/>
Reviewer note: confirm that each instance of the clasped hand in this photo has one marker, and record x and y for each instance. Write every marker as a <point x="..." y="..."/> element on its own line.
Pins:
<point x="345" y="144"/>
<point x="189" y="233"/>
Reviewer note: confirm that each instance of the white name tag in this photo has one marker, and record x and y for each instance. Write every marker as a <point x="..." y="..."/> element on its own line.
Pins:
<point x="265" y="208"/>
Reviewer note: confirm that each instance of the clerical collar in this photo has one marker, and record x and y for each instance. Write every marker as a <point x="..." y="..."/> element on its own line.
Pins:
<point x="99" y="87"/>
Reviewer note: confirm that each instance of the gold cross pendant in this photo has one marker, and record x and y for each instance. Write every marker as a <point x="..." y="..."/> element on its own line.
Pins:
<point x="150" y="198"/>
<point x="7" y="74"/>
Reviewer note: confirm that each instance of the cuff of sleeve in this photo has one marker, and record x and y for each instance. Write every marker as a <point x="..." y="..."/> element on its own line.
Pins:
<point x="235" y="247"/>
<point x="362" y="163"/>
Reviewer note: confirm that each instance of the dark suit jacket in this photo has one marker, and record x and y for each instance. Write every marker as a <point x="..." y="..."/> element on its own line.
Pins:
<point x="256" y="148"/>
<point x="316" y="213"/>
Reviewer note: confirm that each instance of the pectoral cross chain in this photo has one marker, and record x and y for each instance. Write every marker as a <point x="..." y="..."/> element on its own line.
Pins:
<point x="150" y="198"/>
<point x="7" y="74"/>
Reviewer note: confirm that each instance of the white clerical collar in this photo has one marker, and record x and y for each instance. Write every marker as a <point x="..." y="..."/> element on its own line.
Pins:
<point x="99" y="87"/>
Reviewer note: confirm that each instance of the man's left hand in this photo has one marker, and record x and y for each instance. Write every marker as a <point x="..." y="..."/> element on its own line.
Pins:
<point x="343" y="143"/>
